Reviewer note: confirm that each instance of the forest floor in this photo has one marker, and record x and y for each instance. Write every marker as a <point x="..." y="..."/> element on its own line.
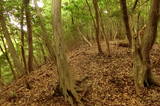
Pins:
<point x="108" y="82"/>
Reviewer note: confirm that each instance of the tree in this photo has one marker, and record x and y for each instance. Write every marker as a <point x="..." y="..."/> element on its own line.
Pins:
<point x="97" y="28"/>
<point x="16" y="60"/>
<point x="67" y="85"/>
<point x="22" y="38"/>
<point x="5" y="52"/>
<point x="44" y="32"/>
<point x="135" y="4"/>
<point x="104" y="34"/>
<point x="126" y="20"/>
<point x="141" y="52"/>
<point x="29" y="30"/>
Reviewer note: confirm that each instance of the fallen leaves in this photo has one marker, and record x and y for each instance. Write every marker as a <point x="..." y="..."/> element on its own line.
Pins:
<point x="109" y="81"/>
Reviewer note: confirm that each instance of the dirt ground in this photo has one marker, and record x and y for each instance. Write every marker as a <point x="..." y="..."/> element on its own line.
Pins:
<point x="108" y="82"/>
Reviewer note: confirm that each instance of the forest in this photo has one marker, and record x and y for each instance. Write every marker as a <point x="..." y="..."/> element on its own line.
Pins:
<point x="79" y="53"/>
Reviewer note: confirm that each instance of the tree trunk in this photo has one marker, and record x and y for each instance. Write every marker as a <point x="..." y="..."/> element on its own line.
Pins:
<point x="5" y="52"/>
<point x="93" y="20"/>
<point x="44" y="34"/>
<point x="18" y="65"/>
<point x="43" y="53"/>
<point x="9" y="62"/>
<point x="135" y="4"/>
<point x="67" y="85"/>
<point x="84" y="38"/>
<point x="126" y="20"/>
<point x="104" y="34"/>
<point x="97" y="28"/>
<point x="22" y="39"/>
<point x="142" y="66"/>
<point x="29" y="31"/>
<point x="1" y="80"/>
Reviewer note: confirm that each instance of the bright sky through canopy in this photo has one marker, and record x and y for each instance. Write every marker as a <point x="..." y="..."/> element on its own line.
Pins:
<point x="14" y="21"/>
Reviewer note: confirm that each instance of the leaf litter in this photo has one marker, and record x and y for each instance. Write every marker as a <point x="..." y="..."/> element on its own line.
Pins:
<point x="109" y="81"/>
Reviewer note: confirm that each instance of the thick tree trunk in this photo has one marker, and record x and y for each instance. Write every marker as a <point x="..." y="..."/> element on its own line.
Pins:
<point x="67" y="85"/>
<point x="29" y="31"/>
<point x="126" y="20"/>
<point x="142" y="66"/>
<point x="18" y="65"/>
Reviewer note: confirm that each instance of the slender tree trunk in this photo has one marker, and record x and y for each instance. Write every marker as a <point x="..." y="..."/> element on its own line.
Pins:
<point x="95" y="3"/>
<point x="93" y="20"/>
<point x="104" y="34"/>
<point x="90" y="11"/>
<point x="1" y="80"/>
<point x="138" y="20"/>
<point x="43" y="52"/>
<point x="22" y="39"/>
<point x="44" y="34"/>
<point x="126" y="20"/>
<point x="95" y="23"/>
<point x="29" y="31"/>
<point x="9" y="62"/>
<point x="0" y="73"/>
<point x="142" y="66"/>
<point x="67" y="85"/>
<point x="18" y="65"/>
<point x="83" y="37"/>
<point x="135" y="4"/>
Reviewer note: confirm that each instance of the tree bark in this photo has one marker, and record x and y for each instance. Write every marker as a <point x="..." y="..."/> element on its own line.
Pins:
<point x="16" y="60"/>
<point x="95" y="3"/>
<point x="29" y="31"/>
<point x="142" y="66"/>
<point x="126" y="21"/>
<point x="22" y="39"/>
<point x="67" y="85"/>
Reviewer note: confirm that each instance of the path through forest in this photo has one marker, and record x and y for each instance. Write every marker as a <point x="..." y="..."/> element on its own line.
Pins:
<point x="108" y="81"/>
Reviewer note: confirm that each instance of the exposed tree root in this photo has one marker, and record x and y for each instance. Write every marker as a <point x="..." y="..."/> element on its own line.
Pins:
<point x="71" y="94"/>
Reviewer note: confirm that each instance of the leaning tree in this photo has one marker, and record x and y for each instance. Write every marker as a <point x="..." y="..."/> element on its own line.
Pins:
<point x="19" y="69"/>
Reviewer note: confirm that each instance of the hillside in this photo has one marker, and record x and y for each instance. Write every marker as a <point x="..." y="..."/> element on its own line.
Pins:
<point x="108" y="81"/>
